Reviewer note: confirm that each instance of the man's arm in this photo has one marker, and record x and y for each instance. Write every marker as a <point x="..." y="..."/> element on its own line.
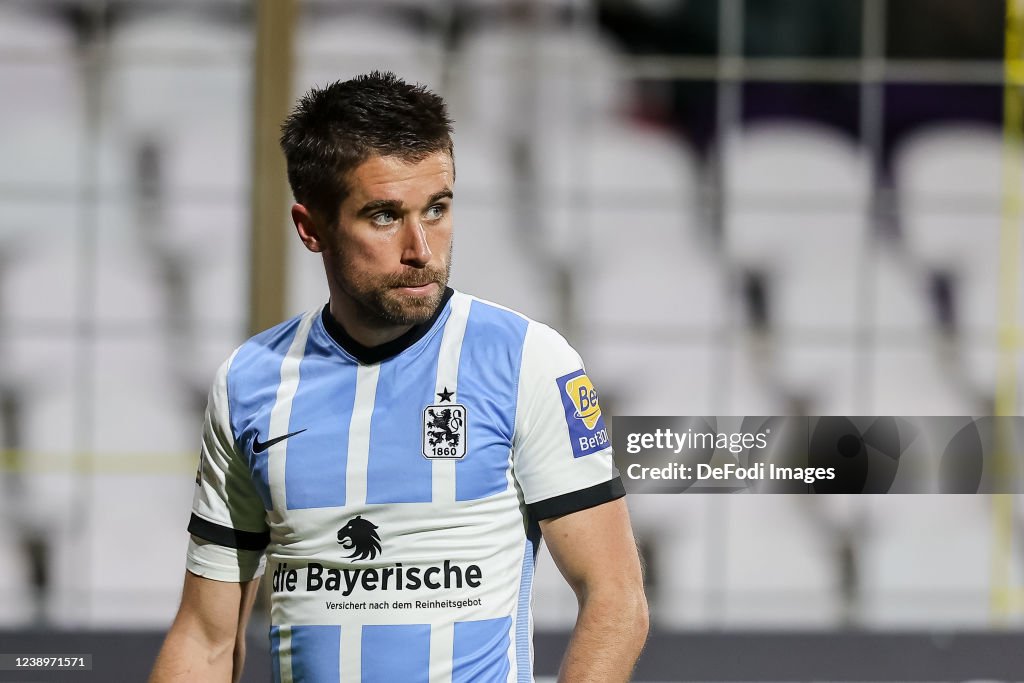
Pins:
<point x="207" y="639"/>
<point x="595" y="551"/>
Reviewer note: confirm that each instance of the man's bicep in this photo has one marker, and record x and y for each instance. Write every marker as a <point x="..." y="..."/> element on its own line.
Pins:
<point x="594" y="545"/>
<point x="212" y="610"/>
<point x="223" y="579"/>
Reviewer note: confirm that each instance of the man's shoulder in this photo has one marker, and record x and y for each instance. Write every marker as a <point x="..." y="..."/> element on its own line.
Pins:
<point x="493" y="309"/>
<point x="270" y="345"/>
<point x="490" y="315"/>
<point x="494" y="322"/>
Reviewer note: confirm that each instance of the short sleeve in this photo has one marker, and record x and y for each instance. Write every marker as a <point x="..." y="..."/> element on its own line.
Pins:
<point x="227" y="512"/>
<point x="562" y="455"/>
<point x="221" y="563"/>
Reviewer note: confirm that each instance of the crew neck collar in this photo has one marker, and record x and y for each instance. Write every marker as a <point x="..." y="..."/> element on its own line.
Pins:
<point x="381" y="352"/>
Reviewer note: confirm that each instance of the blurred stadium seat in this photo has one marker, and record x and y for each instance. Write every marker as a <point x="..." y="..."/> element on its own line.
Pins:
<point x="950" y="184"/>
<point x="41" y="124"/>
<point x="338" y="42"/>
<point x="944" y="175"/>
<point x="517" y="76"/>
<point x="491" y="258"/>
<point x="783" y="580"/>
<point x="927" y="560"/>
<point x="797" y="222"/>
<point x="41" y="120"/>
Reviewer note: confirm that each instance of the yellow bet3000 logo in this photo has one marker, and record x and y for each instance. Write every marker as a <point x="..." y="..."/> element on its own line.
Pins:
<point x="583" y="395"/>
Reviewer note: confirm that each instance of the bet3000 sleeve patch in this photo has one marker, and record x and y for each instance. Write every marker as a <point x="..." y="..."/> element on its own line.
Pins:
<point x="587" y="432"/>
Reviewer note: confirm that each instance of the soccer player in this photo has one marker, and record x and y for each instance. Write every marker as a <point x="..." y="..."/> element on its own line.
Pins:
<point x="396" y="456"/>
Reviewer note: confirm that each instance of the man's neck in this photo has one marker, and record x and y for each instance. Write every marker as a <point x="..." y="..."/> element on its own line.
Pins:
<point x="397" y="339"/>
<point x="369" y="335"/>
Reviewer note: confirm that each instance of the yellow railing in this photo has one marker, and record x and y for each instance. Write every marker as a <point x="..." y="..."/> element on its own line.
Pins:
<point x="1005" y="598"/>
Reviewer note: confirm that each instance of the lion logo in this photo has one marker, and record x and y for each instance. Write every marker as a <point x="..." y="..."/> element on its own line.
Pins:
<point x="443" y="425"/>
<point x="360" y="536"/>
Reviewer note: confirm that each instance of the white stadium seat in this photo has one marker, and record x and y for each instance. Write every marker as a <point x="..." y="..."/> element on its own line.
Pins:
<point x="950" y="183"/>
<point x="928" y="562"/>
<point x="492" y="259"/>
<point x="41" y="119"/>
<point x="797" y="215"/>
<point x="951" y="189"/>
<point x="798" y="208"/>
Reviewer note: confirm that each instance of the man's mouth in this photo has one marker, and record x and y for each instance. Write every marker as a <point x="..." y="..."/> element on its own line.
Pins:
<point x="417" y="287"/>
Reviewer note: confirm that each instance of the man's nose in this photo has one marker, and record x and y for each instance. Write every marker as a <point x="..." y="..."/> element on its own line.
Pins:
<point x="416" y="251"/>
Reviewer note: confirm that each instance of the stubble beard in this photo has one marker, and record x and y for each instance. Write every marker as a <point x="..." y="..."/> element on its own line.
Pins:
<point x="379" y="302"/>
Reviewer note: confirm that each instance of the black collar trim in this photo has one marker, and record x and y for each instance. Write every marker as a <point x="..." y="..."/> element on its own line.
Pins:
<point x="375" y="354"/>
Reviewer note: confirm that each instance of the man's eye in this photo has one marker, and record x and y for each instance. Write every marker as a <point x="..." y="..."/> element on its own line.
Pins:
<point x="435" y="212"/>
<point x="383" y="218"/>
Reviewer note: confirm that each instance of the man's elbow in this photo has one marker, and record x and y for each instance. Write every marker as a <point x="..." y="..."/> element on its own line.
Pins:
<point x="193" y="652"/>
<point x="623" y="609"/>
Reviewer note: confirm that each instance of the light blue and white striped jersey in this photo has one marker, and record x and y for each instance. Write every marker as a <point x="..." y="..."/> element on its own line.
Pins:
<point x="395" y="491"/>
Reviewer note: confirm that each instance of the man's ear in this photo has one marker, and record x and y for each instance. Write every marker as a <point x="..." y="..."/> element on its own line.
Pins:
<point x="308" y="228"/>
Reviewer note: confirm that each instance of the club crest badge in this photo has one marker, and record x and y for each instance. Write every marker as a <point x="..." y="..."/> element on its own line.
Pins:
<point x="444" y="431"/>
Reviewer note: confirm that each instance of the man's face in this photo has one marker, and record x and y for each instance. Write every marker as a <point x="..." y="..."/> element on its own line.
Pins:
<point x="390" y="252"/>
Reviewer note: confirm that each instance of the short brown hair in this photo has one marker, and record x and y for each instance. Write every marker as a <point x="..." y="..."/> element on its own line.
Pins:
<point x="335" y="128"/>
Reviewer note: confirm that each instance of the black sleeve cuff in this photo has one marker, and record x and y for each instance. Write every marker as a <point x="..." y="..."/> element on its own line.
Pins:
<point x="577" y="500"/>
<point x="226" y="536"/>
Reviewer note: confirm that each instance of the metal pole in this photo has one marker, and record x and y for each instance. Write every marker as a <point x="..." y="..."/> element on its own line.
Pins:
<point x="1002" y="593"/>
<point x="272" y="95"/>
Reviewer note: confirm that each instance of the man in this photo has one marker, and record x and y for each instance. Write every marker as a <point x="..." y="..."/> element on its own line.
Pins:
<point x="397" y="455"/>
